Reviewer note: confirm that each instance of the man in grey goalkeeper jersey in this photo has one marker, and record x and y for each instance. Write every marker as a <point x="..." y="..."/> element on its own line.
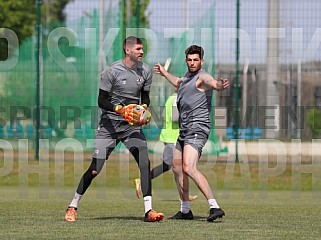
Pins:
<point x="194" y="106"/>
<point x="124" y="84"/>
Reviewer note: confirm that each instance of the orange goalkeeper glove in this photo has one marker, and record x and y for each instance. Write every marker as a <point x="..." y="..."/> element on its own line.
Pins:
<point x="128" y="113"/>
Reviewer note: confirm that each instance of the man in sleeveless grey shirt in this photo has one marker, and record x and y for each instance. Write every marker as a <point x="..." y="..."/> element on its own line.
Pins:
<point x="124" y="84"/>
<point x="194" y="106"/>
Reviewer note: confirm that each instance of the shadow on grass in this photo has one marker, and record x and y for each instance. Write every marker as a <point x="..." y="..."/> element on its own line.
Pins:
<point x="131" y="218"/>
<point x="121" y="218"/>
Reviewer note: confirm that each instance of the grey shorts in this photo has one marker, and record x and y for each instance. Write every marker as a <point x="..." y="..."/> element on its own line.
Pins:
<point x="109" y="135"/>
<point x="168" y="153"/>
<point x="195" y="139"/>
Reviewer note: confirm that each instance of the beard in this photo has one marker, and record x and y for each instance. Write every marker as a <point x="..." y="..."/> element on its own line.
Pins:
<point x="136" y="59"/>
<point x="194" y="69"/>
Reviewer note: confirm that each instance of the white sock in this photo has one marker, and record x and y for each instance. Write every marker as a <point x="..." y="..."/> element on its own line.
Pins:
<point x="147" y="203"/>
<point x="185" y="206"/>
<point x="213" y="203"/>
<point x="75" y="201"/>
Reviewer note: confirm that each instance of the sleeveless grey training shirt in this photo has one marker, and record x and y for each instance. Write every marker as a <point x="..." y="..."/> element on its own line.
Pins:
<point x="194" y="107"/>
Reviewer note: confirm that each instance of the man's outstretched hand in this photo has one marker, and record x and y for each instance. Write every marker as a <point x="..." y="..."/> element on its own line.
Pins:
<point x="159" y="69"/>
<point x="223" y="84"/>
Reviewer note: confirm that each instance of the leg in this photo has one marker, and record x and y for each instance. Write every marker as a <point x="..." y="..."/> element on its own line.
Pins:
<point x="160" y="169"/>
<point x="190" y="159"/>
<point x="102" y="150"/>
<point x="136" y="144"/>
<point x="93" y="170"/>
<point x="167" y="161"/>
<point x="181" y="179"/>
<point x="182" y="184"/>
<point x="104" y="145"/>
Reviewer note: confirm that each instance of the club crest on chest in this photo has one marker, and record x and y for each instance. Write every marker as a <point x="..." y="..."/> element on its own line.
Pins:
<point x="140" y="80"/>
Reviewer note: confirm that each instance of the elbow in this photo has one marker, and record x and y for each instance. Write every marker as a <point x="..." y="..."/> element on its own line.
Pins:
<point x="177" y="82"/>
<point x="100" y="102"/>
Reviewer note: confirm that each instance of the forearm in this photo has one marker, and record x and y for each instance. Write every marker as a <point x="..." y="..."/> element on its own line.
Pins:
<point x="217" y="85"/>
<point x="208" y="82"/>
<point x="103" y="101"/>
<point x="145" y="98"/>
<point x="174" y="80"/>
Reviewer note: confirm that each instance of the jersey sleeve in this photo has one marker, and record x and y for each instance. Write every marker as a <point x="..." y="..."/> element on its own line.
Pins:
<point x="149" y="78"/>
<point x="107" y="78"/>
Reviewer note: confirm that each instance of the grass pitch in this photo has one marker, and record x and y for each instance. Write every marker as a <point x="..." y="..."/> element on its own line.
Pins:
<point x="119" y="217"/>
<point x="110" y="209"/>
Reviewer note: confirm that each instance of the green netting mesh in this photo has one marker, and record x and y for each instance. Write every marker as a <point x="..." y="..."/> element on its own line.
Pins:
<point x="70" y="71"/>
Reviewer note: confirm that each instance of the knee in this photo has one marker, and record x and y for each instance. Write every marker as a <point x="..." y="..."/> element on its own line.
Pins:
<point x="188" y="170"/>
<point x="95" y="167"/>
<point x="185" y="169"/>
<point x="177" y="169"/>
<point x="91" y="173"/>
<point x="94" y="173"/>
<point x="141" y="156"/>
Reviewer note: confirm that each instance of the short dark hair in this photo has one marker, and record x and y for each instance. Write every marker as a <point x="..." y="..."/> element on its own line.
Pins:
<point x="194" y="49"/>
<point x="131" y="40"/>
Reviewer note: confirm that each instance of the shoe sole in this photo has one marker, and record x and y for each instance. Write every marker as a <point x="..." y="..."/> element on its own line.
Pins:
<point x="71" y="217"/>
<point x="213" y="218"/>
<point x="156" y="219"/>
<point x="187" y="216"/>
<point x="181" y="218"/>
<point x="70" y="220"/>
